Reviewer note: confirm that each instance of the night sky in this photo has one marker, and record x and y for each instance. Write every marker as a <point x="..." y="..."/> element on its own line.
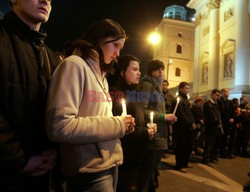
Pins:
<point x="69" y="19"/>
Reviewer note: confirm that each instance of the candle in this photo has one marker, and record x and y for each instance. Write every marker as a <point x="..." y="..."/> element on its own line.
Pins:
<point x="178" y="99"/>
<point x="151" y="117"/>
<point x="124" y="108"/>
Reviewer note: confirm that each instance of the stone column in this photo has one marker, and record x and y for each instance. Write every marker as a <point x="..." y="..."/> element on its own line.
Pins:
<point x="196" y="73"/>
<point x="213" y="66"/>
<point x="242" y="43"/>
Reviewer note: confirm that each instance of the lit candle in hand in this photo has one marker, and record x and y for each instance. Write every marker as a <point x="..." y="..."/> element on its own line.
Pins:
<point x="124" y="108"/>
<point x="151" y="117"/>
<point x="177" y="103"/>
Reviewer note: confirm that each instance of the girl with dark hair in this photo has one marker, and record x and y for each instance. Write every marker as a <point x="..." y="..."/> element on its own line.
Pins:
<point x="123" y="81"/>
<point x="79" y="111"/>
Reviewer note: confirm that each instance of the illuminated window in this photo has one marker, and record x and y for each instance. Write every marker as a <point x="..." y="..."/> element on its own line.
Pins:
<point x="177" y="72"/>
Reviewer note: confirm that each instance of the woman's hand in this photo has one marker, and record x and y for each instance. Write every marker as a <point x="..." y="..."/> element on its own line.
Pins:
<point x="129" y="122"/>
<point x="152" y="130"/>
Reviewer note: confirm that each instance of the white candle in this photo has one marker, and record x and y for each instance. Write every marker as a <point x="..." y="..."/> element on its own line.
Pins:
<point x="178" y="99"/>
<point x="124" y="108"/>
<point x="151" y="117"/>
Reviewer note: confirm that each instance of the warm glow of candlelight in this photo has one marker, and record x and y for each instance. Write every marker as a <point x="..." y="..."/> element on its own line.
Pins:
<point x="177" y="102"/>
<point x="152" y="117"/>
<point x="124" y="107"/>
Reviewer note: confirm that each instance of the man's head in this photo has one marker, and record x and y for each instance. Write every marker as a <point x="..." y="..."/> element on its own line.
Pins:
<point x="165" y="85"/>
<point x="198" y="101"/>
<point x="225" y="92"/>
<point x="184" y="87"/>
<point x="32" y="12"/>
<point x="244" y="100"/>
<point x="215" y="94"/>
<point x="155" y="68"/>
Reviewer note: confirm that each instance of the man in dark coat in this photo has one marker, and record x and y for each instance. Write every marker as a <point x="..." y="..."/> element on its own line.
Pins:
<point x="226" y="110"/>
<point x="183" y="128"/>
<point x="26" y="64"/>
<point x="213" y="127"/>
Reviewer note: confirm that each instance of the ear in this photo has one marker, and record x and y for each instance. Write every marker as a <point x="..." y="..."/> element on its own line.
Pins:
<point x="122" y="74"/>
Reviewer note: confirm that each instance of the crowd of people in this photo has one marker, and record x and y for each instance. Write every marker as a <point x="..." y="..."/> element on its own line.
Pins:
<point x="62" y="129"/>
<point x="220" y="128"/>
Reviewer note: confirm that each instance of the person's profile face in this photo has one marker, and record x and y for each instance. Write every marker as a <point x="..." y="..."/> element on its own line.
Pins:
<point x="216" y="96"/>
<point x="132" y="73"/>
<point x="185" y="89"/>
<point x="165" y="86"/>
<point x="111" y="48"/>
<point x="225" y="92"/>
<point x="158" y="73"/>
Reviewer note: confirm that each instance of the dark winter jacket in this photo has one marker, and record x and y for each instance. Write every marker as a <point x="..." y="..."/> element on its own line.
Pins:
<point x="24" y="76"/>
<point x="154" y="102"/>
<point x="212" y="117"/>
<point x="184" y="115"/>
<point x="135" y="144"/>
<point x="226" y="110"/>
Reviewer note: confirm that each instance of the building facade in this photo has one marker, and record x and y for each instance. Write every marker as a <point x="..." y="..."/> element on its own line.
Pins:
<point x="176" y="49"/>
<point x="222" y="46"/>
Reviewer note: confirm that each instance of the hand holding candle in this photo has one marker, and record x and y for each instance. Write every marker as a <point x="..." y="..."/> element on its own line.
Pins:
<point x="151" y="117"/>
<point x="124" y="108"/>
<point x="177" y="103"/>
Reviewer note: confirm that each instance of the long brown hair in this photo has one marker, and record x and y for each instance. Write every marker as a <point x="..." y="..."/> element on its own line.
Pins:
<point x="100" y="30"/>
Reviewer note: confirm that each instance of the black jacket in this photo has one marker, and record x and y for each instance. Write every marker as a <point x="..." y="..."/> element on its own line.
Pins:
<point x="226" y="111"/>
<point x="184" y="114"/>
<point x="212" y="117"/>
<point x="23" y="84"/>
<point x="135" y="144"/>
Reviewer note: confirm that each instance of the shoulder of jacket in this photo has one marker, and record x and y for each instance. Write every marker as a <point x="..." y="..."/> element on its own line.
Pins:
<point x="74" y="59"/>
<point x="208" y="103"/>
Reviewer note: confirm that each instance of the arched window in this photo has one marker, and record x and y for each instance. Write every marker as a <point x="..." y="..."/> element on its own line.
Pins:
<point x="177" y="72"/>
<point x="171" y="15"/>
<point x="179" y="48"/>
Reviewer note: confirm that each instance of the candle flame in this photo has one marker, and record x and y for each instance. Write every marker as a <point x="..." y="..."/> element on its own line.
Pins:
<point x="152" y="113"/>
<point x="123" y="101"/>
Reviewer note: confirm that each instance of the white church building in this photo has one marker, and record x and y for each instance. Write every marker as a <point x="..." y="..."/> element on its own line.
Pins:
<point x="222" y="46"/>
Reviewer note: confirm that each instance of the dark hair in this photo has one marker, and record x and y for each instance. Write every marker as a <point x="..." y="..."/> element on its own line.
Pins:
<point x="154" y="65"/>
<point x="235" y="102"/>
<point x="197" y="99"/>
<point x="119" y="66"/>
<point x="183" y="84"/>
<point x="123" y="63"/>
<point x="103" y="29"/>
<point x="165" y="81"/>
<point x="84" y="48"/>
<point x="214" y="91"/>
